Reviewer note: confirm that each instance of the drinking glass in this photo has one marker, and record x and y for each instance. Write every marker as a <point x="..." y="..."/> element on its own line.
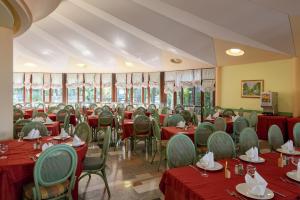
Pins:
<point x="3" y="150"/>
<point x="251" y="170"/>
<point x="20" y="135"/>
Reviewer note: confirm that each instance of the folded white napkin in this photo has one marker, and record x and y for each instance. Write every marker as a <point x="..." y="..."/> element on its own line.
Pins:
<point x="298" y="170"/>
<point x="257" y="184"/>
<point x="181" y="124"/>
<point x="288" y="146"/>
<point x="233" y="118"/>
<point x="209" y="117"/>
<point x="252" y="154"/>
<point x="217" y="114"/>
<point x="76" y="141"/>
<point x="34" y="133"/>
<point x="208" y="160"/>
<point x="63" y="133"/>
<point x="46" y="146"/>
<point x="48" y="120"/>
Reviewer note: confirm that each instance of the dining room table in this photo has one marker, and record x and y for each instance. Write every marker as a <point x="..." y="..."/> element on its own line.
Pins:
<point x="229" y="123"/>
<point x="162" y="118"/>
<point x="264" y="123"/>
<point x="53" y="127"/>
<point x="170" y="131"/>
<point x="189" y="182"/>
<point x="29" y="112"/>
<point x="128" y="114"/>
<point x="52" y="116"/>
<point x="290" y="126"/>
<point x="17" y="169"/>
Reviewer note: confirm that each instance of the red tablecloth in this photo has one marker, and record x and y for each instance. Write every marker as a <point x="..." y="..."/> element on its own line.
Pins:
<point x="264" y="122"/>
<point x="93" y="121"/>
<point x="188" y="183"/>
<point x="290" y="126"/>
<point x="29" y="112"/>
<point x="55" y="128"/>
<point x="89" y="112"/>
<point x="52" y="116"/>
<point x="229" y="124"/>
<point x="162" y="118"/>
<point x="127" y="128"/>
<point x="128" y="114"/>
<point x="17" y="169"/>
<point x="26" y="116"/>
<point x="168" y="132"/>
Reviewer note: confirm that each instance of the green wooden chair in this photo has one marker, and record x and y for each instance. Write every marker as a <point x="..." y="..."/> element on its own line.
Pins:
<point x="248" y="139"/>
<point x="173" y="120"/>
<point x="155" y="116"/>
<point x="141" y="109"/>
<point x="19" y="125"/>
<point x="220" y="124"/>
<point x="141" y="130"/>
<point x="241" y="112"/>
<point x="137" y="113"/>
<point x="228" y="113"/>
<point x="178" y="109"/>
<point x="275" y="137"/>
<point x="180" y="151"/>
<point x="70" y="108"/>
<point x="296" y="134"/>
<point x="97" y="165"/>
<point x="40" y="114"/>
<point x="222" y="145"/>
<point x="238" y="126"/>
<point x="165" y="110"/>
<point x="106" y="107"/>
<point x="52" y="109"/>
<point x="105" y="119"/>
<point x="84" y="132"/>
<point x="129" y="108"/>
<point x="152" y="107"/>
<point x="18" y="114"/>
<point x="92" y="106"/>
<point x="60" y="115"/>
<point x="186" y="116"/>
<point x="195" y="120"/>
<point x="202" y="133"/>
<point x="18" y="106"/>
<point x="79" y="116"/>
<point x="98" y="110"/>
<point x="40" y="106"/>
<point x="54" y="174"/>
<point x="160" y="144"/>
<point x="61" y="106"/>
<point x="35" y="125"/>
<point x="253" y="119"/>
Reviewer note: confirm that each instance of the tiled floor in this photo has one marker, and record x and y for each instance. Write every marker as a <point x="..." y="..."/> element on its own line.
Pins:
<point x="130" y="175"/>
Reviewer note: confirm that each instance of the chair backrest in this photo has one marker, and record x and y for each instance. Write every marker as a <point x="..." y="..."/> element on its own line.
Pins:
<point x="83" y="131"/>
<point x="78" y="115"/>
<point x="179" y="108"/>
<point x="92" y="106"/>
<point x="222" y="145"/>
<point x="202" y="133"/>
<point x="195" y="120"/>
<point x="141" y="109"/>
<point x="70" y="108"/>
<point x="61" y="106"/>
<point x="18" y="114"/>
<point x="238" y="126"/>
<point x="165" y="110"/>
<point x="253" y="119"/>
<point x="129" y="108"/>
<point x="220" y="124"/>
<point x="18" y="106"/>
<point x="19" y="125"/>
<point x="67" y="122"/>
<point x="106" y="145"/>
<point x="155" y="116"/>
<point x="40" y="106"/>
<point x="275" y="137"/>
<point x="52" y="109"/>
<point x="40" y="114"/>
<point x="296" y="134"/>
<point x="136" y="113"/>
<point x="55" y="165"/>
<point x="174" y="119"/>
<point x="60" y="115"/>
<point x="180" y="151"/>
<point x="186" y="116"/>
<point x="105" y="118"/>
<point x="156" y="130"/>
<point x="141" y="125"/>
<point x="241" y="112"/>
<point x="248" y="139"/>
<point x="98" y="110"/>
<point x="228" y="113"/>
<point x="35" y="125"/>
<point x="106" y="107"/>
<point x="152" y="107"/>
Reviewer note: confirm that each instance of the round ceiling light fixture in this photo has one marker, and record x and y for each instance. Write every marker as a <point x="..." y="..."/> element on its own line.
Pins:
<point x="235" y="52"/>
<point x="81" y="65"/>
<point x="176" y="60"/>
<point x="29" y="64"/>
<point x="128" y="64"/>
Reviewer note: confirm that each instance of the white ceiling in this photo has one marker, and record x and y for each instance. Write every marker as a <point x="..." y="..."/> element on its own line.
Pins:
<point x="105" y="34"/>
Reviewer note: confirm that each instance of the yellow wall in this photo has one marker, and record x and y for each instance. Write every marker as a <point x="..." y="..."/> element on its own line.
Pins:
<point x="277" y="76"/>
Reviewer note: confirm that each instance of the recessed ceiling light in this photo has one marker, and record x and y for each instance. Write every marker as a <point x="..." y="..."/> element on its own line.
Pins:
<point x="176" y="60"/>
<point x="81" y="65"/>
<point x="128" y="64"/>
<point x="119" y="43"/>
<point x="235" y="52"/>
<point x="30" y="64"/>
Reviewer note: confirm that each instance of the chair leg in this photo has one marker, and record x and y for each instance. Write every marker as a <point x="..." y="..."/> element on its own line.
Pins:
<point x="105" y="181"/>
<point x="153" y="156"/>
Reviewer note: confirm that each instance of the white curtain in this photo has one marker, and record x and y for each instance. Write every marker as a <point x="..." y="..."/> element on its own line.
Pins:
<point x="89" y="80"/>
<point x="128" y="85"/>
<point x="208" y="73"/>
<point x="187" y="78"/>
<point x="154" y="81"/>
<point x="27" y="80"/>
<point x="145" y="83"/>
<point x="37" y="81"/>
<point x="18" y="80"/>
<point x="71" y="81"/>
<point x="197" y="78"/>
<point x="106" y="80"/>
<point x="47" y="81"/>
<point x="97" y="82"/>
<point x="208" y="85"/>
<point x="170" y="78"/>
<point x="80" y="80"/>
<point x="137" y="79"/>
<point x="56" y="81"/>
<point x="121" y="80"/>
<point x="178" y="86"/>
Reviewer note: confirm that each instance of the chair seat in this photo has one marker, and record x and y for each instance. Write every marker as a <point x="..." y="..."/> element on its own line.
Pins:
<point x="46" y="192"/>
<point x="92" y="163"/>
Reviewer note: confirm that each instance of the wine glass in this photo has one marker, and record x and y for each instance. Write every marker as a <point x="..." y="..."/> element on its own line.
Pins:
<point x="20" y="135"/>
<point x="3" y="150"/>
<point x="251" y="170"/>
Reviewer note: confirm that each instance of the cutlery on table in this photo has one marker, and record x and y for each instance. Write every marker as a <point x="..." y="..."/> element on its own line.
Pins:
<point x="278" y="193"/>
<point x="233" y="193"/>
<point x="289" y="181"/>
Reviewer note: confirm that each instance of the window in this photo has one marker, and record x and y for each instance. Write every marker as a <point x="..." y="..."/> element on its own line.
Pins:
<point x="57" y="95"/>
<point x="80" y="94"/>
<point x="197" y="96"/>
<point x="18" y="95"/>
<point x="37" y="95"/>
<point x="89" y="95"/>
<point x="129" y="96"/>
<point x="146" y="96"/>
<point x="208" y="99"/>
<point x="121" y="95"/>
<point x="137" y="95"/>
<point x="72" y="95"/>
<point x="27" y="95"/>
<point x="106" y="94"/>
<point x="47" y="96"/>
<point x="170" y="99"/>
<point x="155" y="96"/>
<point x="98" y="94"/>
<point x="188" y="96"/>
<point x="178" y="97"/>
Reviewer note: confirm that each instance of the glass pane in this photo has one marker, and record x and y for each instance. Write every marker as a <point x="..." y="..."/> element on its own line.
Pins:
<point x="98" y="95"/>
<point x="208" y="99"/>
<point x="18" y="95"/>
<point x="170" y="100"/>
<point x="155" y="96"/>
<point x="72" y="95"/>
<point x="56" y="95"/>
<point x="137" y="95"/>
<point x="47" y="95"/>
<point x="37" y="95"/>
<point x="178" y="97"/>
<point x="129" y="96"/>
<point x="146" y="96"/>
<point x="188" y="96"/>
<point x="27" y="95"/>
<point x="106" y="94"/>
<point x="198" y="96"/>
<point x="89" y="95"/>
<point x="121" y="95"/>
<point x="80" y="95"/>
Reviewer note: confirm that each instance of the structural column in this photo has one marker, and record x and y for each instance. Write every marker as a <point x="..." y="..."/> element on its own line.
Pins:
<point x="218" y="86"/>
<point x="296" y="87"/>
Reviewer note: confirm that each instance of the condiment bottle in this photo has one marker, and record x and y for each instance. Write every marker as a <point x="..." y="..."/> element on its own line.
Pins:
<point x="227" y="171"/>
<point x="280" y="161"/>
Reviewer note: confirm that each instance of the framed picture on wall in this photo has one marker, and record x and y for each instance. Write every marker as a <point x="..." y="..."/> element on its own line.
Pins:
<point x="252" y="88"/>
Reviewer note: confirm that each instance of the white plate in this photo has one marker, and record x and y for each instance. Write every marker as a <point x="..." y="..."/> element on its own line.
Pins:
<point x="60" y="138"/>
<point x="287" y="152"/>
<point x="29" y="138"/>
<point x="71" y="144"/>
<point x="216" y="167"/>
<point x="180" y="126"/>
<point x="293" y="175"/>
<point x="48" y="123"/>
<point x="243" y="188"/>
<point x="245" y="158"/>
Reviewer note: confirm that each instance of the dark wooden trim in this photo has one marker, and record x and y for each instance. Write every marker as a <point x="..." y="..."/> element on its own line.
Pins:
<point x="113" y="91"/>
<point x="64" y="88"/>
<point x="163" y="96"/>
